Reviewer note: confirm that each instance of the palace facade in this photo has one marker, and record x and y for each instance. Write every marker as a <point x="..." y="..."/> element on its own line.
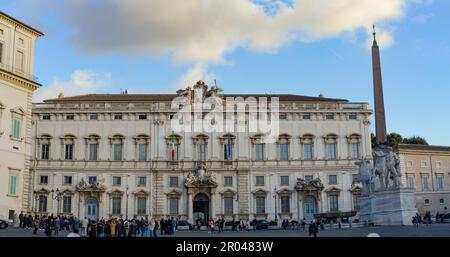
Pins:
<point x="103" y="155"/>
<point x="17" y="43"/>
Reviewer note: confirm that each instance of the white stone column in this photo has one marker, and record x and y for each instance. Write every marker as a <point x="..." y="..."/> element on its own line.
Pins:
<point x="190" y="209"/>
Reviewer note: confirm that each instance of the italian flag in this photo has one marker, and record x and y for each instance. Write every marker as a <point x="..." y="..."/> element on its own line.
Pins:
<point x="173" y="146"/>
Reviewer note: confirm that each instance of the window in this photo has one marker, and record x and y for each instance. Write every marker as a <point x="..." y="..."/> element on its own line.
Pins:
<point x="142" y="152"/>
<point x="259" y="180"/>
<point x="173" y="206"/>
<point x="42" y="203"/>
<point x="16" y="128"/>
<point x="441" y="201"/>
<point x="425" y="183"/>
<point x="329" y="116"/>
<point x="117" y="181"/>
<point x="308" y="151"/>
<point x="260" y="204"/>
<point x="1" y="49"/>
<point x="332" y="179"/>
<point x="46" y="117"/>
<point x="173" y="152"/>
<point x="21" y="41"/>
<point x="43" y="180"/>
<point x="438" y="164"/>
<point x="427" y="201"/>
<point x="353" y="116"/>
<point x="142" y="116"/>
<point x="440" y="182"/>
<point x="67" y="180"/>
<point x="309" y="178"/>
<point x="355" y="150"/>
<point x="202" y="151"/>
<point x="93" y="152"/>
<point x="333" y="199"/>
<point x="173" y="181"/>
<point x="142" y="181"/>
<point x="284" y="151"/>
<point x="228" y="152"/>
<point x="409" y="164"/>
<point x="228" y="205"/>
<point x="118" y="116"/>
<point x="68" y="152"/>
<point x="45" y="149"/>
<point x="117" y="152"/>
<point x="356" y="202"/>
<point x="283" y="116"/>
<point x="67" y="204"/>
<point x="93" y="117"/>
<point x="306" y="116"/>
<point x="411" y="183"/>
<point x="284" y="180"/>
<point x="285" y="204"/>
<point x="116" y="204"/>
<point x="141" y="205"/>
<point x="331" y="151"/>
<point x="423" y="163"/>
<point x="228" y="181"/>
<point x="259" y="152"/>
<point x="92" y="179"/>
<point x="12" y="189"/>
<point x="70" y="117"/>
<point x="19" y="61"/>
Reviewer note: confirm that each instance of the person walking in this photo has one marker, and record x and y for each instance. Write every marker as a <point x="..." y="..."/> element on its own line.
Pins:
<point x="313" y="229"/>
<point x="339" y="222"/>
<point x="155" y="229"/>
<point x="56" y="226"/>
<point x="48" y="228"/>
<point x="36" y="224"/>
<point x="303" y="224"/>
<point x="21" y="219"/>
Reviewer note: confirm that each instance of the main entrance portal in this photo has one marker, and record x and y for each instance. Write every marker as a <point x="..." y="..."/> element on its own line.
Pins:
<point x="91" y="208"/>
<point x="201" y="209"/>
<point x="309" y="208"/>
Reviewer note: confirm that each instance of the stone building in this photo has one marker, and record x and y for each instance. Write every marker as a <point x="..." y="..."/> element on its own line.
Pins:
<point x="427" y="170"/>
<point x="17" y="83"/>
<point x="117" y="155"/>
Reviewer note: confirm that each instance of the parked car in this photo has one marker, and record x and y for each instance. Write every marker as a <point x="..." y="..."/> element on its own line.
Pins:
<point x="262" y="224"/>
<point x="184" y="225"/>
<point x="3" y="224"/>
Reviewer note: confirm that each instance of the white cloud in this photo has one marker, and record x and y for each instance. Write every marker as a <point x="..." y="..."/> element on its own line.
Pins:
<point x="81" y="82"/>
<point x="198" y="72"/>
<point x="205" y="31"/>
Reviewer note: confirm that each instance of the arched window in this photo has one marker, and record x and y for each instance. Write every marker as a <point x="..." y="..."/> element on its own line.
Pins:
<point x="92" y="146"/>
<point x="68" y="146"/>
<point x="142" y="143"/>
<point x="283" y="147"/>
<point x="307" y="147"/>
<point x="331" y="146"/>
<point x="354" y="146"/>
<point x="117" y="142"/>
<point x="200" y="145"/>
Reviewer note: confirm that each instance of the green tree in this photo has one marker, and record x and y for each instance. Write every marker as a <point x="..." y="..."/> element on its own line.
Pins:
<point x="394" y="139"/>
<point x="415" y="140"/>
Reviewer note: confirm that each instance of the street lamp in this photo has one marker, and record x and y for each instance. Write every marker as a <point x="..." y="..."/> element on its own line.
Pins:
<point x="126" y="211"/>
<point x="56" y="195"/>
<point x="275" y="198"/>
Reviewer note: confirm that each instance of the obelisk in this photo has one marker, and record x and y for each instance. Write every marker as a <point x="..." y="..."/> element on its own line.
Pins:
<point x="380" y="118"/>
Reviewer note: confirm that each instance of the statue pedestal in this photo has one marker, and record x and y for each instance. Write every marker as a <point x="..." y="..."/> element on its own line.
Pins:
<point x="394" y="207"/>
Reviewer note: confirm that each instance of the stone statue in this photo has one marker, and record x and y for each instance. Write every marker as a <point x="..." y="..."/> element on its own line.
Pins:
<point x="214" y="91"/>
<point x="379" y="168"/>
<point x="365" y="176"/>
<point x="185" y="92"/>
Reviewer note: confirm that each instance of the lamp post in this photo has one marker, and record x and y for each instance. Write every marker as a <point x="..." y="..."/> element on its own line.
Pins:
<point x="275" y="197"/>
<point x="56" y="195"/>
<point x="126" y="210"/>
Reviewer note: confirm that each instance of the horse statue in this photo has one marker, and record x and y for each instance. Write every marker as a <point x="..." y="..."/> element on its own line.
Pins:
<point x="380" y="169"/>
<point x="365" y="176"/>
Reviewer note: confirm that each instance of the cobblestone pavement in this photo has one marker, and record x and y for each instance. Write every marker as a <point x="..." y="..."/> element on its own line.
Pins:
<point x="435" y="230"/>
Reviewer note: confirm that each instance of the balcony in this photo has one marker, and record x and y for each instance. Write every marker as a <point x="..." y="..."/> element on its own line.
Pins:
<point x="18" y="72"/>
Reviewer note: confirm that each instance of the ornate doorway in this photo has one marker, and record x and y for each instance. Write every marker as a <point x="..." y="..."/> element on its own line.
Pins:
<point x="91" y="208"/>
<point x="309" y="207"/>
<point x="201" y="208"/>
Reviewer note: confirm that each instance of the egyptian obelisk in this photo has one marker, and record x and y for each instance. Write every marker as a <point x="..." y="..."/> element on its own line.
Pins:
<point x="380" y="118"/>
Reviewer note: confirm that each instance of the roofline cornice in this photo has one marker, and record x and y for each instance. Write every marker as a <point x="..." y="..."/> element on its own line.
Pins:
<point x="20" y="24"/>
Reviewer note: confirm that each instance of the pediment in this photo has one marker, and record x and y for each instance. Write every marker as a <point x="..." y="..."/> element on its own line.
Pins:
<point x="18" y="110"/>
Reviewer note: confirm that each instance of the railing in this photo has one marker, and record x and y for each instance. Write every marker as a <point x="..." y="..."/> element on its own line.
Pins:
<point x="18" y="72"/>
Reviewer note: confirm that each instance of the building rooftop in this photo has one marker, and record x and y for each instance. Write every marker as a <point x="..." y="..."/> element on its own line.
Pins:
<point x="14" y="20"/>
<point x="170" y="97"/>
<point x="423" y="148"/>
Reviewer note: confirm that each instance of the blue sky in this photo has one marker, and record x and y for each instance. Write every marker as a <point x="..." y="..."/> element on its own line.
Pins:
<point x="264" y="56"/>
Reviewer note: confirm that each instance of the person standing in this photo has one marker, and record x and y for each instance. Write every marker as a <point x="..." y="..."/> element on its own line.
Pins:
<point x="36" y="224"/>
<point x="155" y="229"/>
<point x="56" y="225"/>
<point x="339" y="222"/>
<point x="313" y="229"/>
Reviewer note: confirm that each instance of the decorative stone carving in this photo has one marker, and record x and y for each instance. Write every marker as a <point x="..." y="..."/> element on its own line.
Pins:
<point x="314" y="185"/>
<point x="200" y="178"/>
<point x="83" y="186"/>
